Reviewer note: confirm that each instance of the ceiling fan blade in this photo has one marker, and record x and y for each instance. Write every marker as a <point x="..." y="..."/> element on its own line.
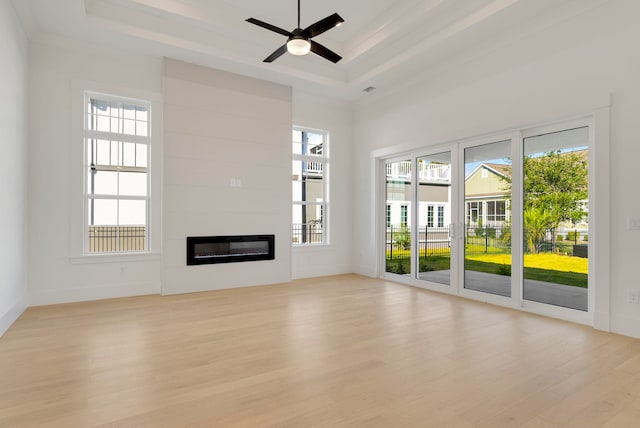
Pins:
<point x="277" y="54"/>
<point x="269" y="26"/>
<point x="325" y="53"/>
<point x="323" y="25"/>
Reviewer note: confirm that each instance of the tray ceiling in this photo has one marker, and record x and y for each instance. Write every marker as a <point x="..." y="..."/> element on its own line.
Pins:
<point x="382" y="42"/>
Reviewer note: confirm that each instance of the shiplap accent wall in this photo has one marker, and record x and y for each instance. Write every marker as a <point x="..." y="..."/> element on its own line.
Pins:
<point x="222" y="129"/>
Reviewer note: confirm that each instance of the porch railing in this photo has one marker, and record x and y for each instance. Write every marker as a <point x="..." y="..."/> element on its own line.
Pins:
<point x="120" y="239"/>
<point x="307" y="233"/>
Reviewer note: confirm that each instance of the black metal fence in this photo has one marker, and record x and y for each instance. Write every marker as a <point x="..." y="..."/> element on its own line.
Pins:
<point x="483" y="240"/>
<point x="307" y="233"/>
<point x="121" y="239"/>
<point x="432" y="241"/>
<point x="436" y="241"/>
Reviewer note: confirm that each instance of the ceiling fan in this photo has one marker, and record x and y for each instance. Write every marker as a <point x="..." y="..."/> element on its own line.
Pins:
<point x="299" y="41"/>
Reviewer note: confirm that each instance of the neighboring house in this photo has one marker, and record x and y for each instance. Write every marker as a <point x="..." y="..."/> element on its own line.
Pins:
<point x="486" y="201"/>
<point x="487" y="197"/>
<point x="434" y="208"/>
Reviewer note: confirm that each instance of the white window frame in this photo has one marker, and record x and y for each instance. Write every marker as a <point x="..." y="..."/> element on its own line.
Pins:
<point x="323" y="205"/>
<point x="120" y="138"/>
<point x="440" y="215"/>
<point x="78" y="252"/>
<point x="404" y="215"/>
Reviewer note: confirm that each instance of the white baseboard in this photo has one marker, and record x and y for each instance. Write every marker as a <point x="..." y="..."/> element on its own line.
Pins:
<point x="78" y="294"/>
<point x="313" y="272"/>
<point x="625" y="325"/>
<point x="366" y="270"/>
<point x="602" y="320"/>
<point x="9" y="317"/>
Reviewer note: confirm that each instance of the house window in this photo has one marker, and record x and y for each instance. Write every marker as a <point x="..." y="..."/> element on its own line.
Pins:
<point x="309" y="192"/>
<point x="440" y="216"/>
<point x="474" y="213"/>
<point x="430" y="216"/>
<point x="496" y="211"/>
<point x="404" y="215"/>
<point x="117" y="139"/>
<point x="388" y="215"/>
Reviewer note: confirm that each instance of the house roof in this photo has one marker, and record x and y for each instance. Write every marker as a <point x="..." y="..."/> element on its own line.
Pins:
<point x="505" y="170"/>
<point x="499" y="169"/>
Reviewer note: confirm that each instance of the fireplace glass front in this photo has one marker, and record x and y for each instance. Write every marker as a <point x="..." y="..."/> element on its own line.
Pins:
<point x="227" y="249"/>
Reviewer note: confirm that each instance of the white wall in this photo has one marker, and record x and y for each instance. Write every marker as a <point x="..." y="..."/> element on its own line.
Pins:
<point x="218" y="127"/>
<point x="56" y="273"/>
<point x="335" y="116"/>
<point x="13" y="174"/>
<point x="569" y="69"/>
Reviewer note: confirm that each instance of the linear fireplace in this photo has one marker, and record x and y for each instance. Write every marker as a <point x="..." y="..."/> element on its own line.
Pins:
<point x="228" y="249"/>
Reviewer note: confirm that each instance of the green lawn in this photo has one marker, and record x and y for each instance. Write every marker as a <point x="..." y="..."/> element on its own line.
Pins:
<point x="548" y="261"/>
<point x="548" y="267"/>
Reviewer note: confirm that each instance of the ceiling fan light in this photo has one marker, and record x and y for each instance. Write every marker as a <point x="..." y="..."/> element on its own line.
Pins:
<point x="298" y="46"/>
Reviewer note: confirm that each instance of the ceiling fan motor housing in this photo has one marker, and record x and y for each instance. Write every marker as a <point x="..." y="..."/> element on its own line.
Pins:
<point x="297" y="44"/>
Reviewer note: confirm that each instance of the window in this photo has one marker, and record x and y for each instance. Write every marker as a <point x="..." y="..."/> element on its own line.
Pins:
<point x="309" y="180"/>
<point x="430" y="216"/>
<point x="474" y="213"/>
<point x="117" y="139"/>
<point x="496" y="211"/>
<point x="404" y="215"/>
<point x="440" y="216"/>
<point x="388" y="215"/>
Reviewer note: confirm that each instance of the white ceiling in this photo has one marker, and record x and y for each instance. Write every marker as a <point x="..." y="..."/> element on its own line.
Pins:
<point x="382" y="42"/>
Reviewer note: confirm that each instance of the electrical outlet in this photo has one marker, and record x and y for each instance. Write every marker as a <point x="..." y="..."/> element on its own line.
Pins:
<point x="634" y="296"/>
<point x="633" y="223"/>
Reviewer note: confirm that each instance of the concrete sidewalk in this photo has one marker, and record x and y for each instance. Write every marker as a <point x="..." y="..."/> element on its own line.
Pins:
<point x="537" y="291"/>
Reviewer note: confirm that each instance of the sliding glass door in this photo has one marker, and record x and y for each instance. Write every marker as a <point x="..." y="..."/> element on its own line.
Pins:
<point x="502" y="219"/>
<point x="487" y="218"/>
<point x="556" y="217"/>
<point x="434" y="195"/>
<point x="398" y="217"/>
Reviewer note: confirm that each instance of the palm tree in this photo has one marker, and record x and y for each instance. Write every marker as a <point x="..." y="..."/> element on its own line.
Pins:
<point x="536" y="223"/>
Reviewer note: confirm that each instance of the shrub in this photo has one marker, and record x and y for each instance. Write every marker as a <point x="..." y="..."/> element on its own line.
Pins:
<point x="504" y="269"/>
<point x="400" y="269"/>
<point x="424" y="266"/>
<point x="573" y="235"/>
<point x="585" y="238"/>
<point x="403" y="238"/>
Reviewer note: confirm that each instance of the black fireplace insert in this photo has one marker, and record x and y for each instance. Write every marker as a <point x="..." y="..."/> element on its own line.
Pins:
<point x="229" y="249"/>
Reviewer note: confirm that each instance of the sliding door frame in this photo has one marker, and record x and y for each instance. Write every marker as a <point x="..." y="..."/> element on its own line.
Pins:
<point x="583" y="317"/>
<point x="454" y="230"/>
<point x="516" y="225"/>
<point x="598" y="313"/>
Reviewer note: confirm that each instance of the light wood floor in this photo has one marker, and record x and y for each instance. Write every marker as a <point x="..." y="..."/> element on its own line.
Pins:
<point x="337" y="351"/>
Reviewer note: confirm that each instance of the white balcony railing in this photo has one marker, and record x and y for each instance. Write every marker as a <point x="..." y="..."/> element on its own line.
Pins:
<point x="313" y="168"/>
<point x="427" y="172"/>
